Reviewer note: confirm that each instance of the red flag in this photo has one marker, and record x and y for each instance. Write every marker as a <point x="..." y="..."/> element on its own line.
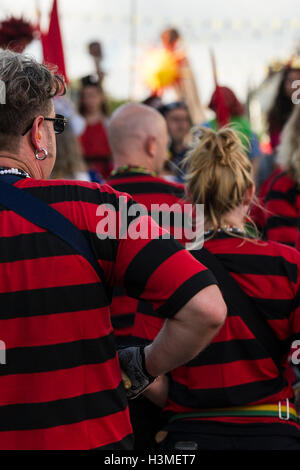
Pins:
<point x="222" y="113"/>
<point x="53" y="50"/>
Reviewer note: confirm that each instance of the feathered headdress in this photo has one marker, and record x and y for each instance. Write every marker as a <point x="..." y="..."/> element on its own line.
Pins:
<point x="16" y="34"/>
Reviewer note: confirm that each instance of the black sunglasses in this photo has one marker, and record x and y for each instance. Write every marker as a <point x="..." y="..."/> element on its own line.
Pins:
<point x="59" y="124"/>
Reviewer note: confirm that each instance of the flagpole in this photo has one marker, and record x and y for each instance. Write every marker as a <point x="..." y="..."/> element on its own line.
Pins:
<point x="133" y="42"/>
<point x="38" y="15"/>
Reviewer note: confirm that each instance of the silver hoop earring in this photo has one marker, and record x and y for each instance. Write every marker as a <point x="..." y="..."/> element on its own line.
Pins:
<point x="45" y="152"/>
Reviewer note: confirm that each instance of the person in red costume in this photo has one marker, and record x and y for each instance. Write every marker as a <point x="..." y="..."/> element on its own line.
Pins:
<point x="94" y="139"/>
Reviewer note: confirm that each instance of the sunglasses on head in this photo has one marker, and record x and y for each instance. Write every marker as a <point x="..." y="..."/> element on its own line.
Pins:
<point x="59" y="124"/>
<point x="174" y="105"/>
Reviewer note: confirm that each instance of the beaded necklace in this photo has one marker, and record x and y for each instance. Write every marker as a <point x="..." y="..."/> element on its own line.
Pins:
<point x="14" y="171"/>
<point x="132" y="169"/>
<point x="236" y="230"/>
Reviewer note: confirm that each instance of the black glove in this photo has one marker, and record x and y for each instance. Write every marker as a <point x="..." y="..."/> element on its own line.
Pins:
<point x="132" y="362"/>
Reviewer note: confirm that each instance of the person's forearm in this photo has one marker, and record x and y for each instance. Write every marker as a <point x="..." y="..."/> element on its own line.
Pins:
<point x="157" y="392"/>
<point x="184" y="336"/>
<point x="175" y="345"/>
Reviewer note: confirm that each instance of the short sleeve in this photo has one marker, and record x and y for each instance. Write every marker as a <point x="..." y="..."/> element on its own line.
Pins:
<point x="158" y="269"/>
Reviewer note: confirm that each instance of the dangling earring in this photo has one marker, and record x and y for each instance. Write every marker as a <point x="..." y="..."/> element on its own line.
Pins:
<point x="45" y="152"/>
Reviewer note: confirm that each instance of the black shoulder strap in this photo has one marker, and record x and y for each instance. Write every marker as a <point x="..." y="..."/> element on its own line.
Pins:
<point x="43" y="215"/>
<point x="240" y="304"/>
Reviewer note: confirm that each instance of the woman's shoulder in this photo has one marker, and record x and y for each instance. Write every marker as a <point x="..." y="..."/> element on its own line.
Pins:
<point x="253" y="247"/>
<point x="264" y="259"/>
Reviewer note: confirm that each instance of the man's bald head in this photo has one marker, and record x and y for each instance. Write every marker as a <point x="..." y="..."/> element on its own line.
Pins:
<point x="138" y="136"/>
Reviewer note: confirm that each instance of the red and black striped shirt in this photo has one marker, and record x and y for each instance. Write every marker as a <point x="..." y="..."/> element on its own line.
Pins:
<point x="235" y="370"/>
<point x="147" y="190"/>
<point x="282" y="203"/>
<point x="61" y="386"/>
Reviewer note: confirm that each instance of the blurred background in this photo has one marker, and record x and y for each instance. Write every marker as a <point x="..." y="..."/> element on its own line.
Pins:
<point x="166" y="51"/>
<point x="246" y="37"/>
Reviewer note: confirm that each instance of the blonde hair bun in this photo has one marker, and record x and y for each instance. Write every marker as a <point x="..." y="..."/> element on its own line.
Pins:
<point x="218" y="172"/>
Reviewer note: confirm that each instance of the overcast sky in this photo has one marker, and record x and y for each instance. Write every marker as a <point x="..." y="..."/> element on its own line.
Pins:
<point x="244" y="34"/>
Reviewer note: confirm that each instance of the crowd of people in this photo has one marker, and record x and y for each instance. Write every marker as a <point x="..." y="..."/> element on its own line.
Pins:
<point x="120" y="342"/>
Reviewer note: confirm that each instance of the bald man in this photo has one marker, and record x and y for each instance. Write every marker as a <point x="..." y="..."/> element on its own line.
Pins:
<point x="138" y="139"/>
